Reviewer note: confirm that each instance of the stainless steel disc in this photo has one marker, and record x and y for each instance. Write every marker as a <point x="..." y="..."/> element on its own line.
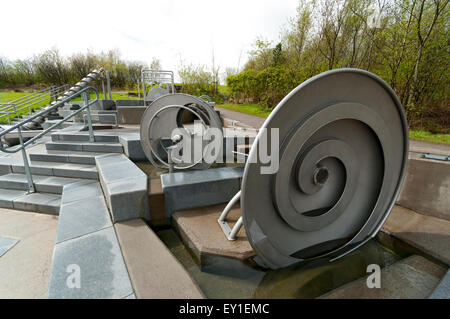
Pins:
<point x="163" y="116"/>
<point x="343" y="145"/>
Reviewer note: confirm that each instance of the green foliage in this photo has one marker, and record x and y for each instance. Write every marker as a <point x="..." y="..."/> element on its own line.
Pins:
<point x="197" y="80"/>
<point x="407" y="46"/>
<point x="50" y="68"/>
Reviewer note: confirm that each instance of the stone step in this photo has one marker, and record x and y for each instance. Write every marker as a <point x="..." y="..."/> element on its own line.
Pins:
<point x="125" y="187"/>
<point x="427" y="234"/>
<point x="15" y="165"/>
<point x="65" y="157"/>
<point x="44" y="203"/>
<point x="44" y="184"/>
<point x="414" y="277"/>
<point x="83" y="137"/>
<point x="105" y="147"/>
<point x="153" y="270"/>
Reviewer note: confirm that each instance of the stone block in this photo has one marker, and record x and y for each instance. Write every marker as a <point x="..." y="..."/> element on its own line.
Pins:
<point x="192" y="189"/>
<point x="130" y="114"/>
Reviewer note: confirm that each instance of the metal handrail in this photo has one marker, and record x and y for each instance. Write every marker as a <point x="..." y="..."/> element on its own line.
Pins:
<point x="35" y="95"/>
<point x="13" y="107"/>
<point x="23" y="145"/>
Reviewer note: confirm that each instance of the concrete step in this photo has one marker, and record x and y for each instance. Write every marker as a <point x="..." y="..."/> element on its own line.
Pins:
<point x="414" y="277"/>
<point x="125" y="187"/>
<point x="104" y="147"/>
<point x="199" y="230"/>
<point x="82" y="137"/>
<point x="44" y="203"/>
<point x="15" y="165"/>
<point x="65" y="157"/>
<point x="44" y="184"/>
<point x="427" y="234"/>
<point x="153" y="270"/>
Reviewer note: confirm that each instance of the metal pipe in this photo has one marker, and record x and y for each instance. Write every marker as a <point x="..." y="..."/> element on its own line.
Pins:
<point x="229" y="206"/>
<point x="88" y="111"/>
<point x="61" y="102"/>
<point x="26" y="165"/>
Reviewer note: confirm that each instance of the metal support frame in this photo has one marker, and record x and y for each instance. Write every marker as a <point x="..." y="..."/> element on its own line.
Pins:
<point x="229" y="232"/>
<point x="149" y="78"/>
<point x="85" y="98"/>
<point x="108" y="84"/>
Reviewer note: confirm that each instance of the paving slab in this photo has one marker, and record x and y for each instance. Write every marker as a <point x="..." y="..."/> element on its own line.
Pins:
<point x="428" y="234"/>
<point x="6" y="244"/>
<point x="82" y="190"/>
<point x="201" y="232"/>
<point x="154" y="271"/>
<point x="412" y="278"/>
<point x="25" y="268"/>
<point x="82" y="217"/>
<point x="103" y="273"/>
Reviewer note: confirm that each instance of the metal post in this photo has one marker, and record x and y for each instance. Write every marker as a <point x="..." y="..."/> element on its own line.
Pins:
<point x="108" y="84"/>
<point x="26" y="166"/>
<point x="88" y="111"/>
<point x="139" y="90"/>
<point x="104" y="88"/>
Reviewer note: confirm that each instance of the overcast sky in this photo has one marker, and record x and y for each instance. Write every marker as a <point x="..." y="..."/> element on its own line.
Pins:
<point x="170" y="30"/>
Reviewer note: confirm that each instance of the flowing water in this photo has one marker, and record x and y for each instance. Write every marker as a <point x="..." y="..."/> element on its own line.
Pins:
<point x="221" y="277"/>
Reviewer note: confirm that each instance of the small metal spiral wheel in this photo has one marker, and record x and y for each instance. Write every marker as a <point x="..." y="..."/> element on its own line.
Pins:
<point x="342" y="158"/>
<point x="164" y="115"/>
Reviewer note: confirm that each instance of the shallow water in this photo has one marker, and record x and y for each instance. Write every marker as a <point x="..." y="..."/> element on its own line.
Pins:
<point x="228" y="278"/>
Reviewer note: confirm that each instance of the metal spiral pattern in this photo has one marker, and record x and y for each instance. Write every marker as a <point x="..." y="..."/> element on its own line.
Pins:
<point x="84" y="82"/>
<point x="167" y="113"/>
<point x="342" y="158"/>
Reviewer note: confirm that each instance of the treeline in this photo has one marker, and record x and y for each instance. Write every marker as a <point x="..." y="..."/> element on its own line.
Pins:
<point x="199" y="80"/>
<point x="51" y="68"/>
<point x="406" y="42"/>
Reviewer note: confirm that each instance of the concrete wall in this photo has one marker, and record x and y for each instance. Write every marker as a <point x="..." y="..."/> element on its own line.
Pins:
<point x="426" y="189"/>
<point x="130" y="114"/>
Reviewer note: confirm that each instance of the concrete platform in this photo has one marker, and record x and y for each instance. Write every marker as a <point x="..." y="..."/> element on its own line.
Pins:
<point x="25" y="268"/>
<point x="202" y="234"/>
<point x="428" y="234"/>
<point x="412" y="278"/>
<point x="153" y="270"/>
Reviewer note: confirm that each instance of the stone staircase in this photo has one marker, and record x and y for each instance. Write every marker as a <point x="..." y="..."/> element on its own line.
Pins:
<point x="90" y="185"/>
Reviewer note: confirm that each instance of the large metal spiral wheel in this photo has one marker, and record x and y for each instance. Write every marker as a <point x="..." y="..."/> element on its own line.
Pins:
<point x="343" y="153"/>
<point x="164" y="115"/>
